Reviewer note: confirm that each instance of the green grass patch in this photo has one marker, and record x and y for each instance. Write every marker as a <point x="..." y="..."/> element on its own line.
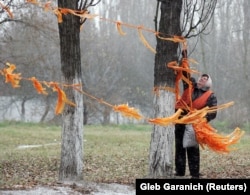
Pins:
<point x="115" y="153"/>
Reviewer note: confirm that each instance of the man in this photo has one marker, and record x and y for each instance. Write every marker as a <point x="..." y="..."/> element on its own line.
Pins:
<point x="200" y="97"/>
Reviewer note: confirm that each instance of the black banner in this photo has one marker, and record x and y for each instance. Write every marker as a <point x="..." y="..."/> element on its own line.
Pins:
<point x="174" y="186"/>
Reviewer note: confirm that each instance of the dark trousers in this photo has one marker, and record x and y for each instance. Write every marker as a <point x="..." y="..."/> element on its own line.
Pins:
<point x="193" y="154"/>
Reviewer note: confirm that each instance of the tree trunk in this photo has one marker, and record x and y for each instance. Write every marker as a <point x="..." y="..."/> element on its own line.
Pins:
<point x="23" y="108"/>
<point x="72" y="128"/>
<point x="162" y="138"/>
<point x="85" y="113"/>
<point x="46" y="111"/>
<point x="161" y="146"/>
<point x="106" y="116"/>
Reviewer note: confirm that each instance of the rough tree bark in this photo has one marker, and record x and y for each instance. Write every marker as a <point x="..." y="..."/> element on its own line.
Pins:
<point x="72" y="124"/>
<point x="162" y="138"/>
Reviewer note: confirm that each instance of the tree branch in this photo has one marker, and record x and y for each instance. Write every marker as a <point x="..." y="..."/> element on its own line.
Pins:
<point x="196" y="16"/>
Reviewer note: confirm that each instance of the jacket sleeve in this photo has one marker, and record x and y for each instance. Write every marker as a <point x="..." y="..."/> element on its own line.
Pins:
<point x="212" y="101"/>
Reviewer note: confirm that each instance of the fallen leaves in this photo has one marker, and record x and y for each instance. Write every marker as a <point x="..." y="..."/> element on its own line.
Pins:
<point x="111" y="156"/>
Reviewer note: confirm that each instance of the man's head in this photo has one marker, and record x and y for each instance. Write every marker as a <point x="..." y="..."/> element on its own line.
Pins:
<point x="204" y="81"/>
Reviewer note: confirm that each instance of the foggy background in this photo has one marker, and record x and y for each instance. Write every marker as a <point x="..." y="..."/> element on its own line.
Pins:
<point x="119" y="69"/>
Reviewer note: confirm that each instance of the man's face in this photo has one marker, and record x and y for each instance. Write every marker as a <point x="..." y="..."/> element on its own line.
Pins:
<point x="202" y="81"/>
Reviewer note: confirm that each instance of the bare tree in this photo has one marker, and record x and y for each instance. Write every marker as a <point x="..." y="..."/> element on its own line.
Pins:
<point x="194" y="17"/>
<point x="29" y="31"/>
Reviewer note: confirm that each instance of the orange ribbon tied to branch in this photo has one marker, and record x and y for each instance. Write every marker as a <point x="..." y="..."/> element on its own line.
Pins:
<point x="207" y="136"/>
<point x="38" y="86"/>
<point x="127" y="111"/>
<point x="11" y="77"/>
<point x="62" y="98"/>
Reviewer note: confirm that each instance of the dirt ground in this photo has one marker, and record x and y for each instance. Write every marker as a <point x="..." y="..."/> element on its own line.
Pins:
<point x="76" y="189"/>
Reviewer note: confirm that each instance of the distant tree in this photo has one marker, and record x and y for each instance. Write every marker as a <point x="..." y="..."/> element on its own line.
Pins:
<point x="29" y="31"/>
<point x="183" y="18"/>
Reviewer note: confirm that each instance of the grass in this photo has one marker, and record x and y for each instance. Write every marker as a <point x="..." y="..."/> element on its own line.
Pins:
<point x="111" y="154"/>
